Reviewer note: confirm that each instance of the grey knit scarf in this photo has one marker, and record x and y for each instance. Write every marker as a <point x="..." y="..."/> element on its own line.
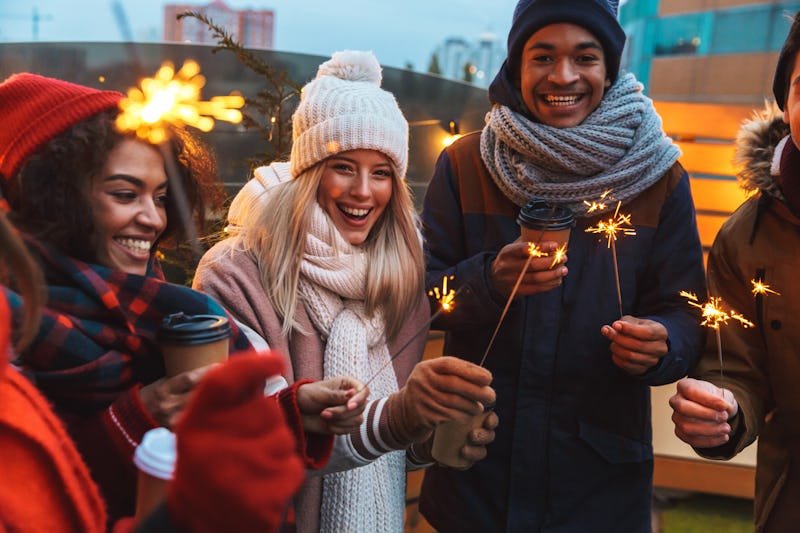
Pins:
<point x="620" y="147"/>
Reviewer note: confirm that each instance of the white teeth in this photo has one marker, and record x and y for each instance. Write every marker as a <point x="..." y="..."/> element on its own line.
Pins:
<point x="355" y="212"/>
<point x="560" y="100"/>
<point x="137" y="245"/>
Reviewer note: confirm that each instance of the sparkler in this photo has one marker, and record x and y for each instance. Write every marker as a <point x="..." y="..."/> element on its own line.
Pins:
<point x="533" y="251"/>
<point x="171" y="98"/>
<point x="759" y="287"/>
<point x="714" y="317"/>
<point x="619" y="223"/>
<point x="446" y="298"/>
<point x="174" y="98"/>
<point x="597" y="205"/>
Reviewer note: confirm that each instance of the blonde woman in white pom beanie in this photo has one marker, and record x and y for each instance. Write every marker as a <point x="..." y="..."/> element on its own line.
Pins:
<point x="326" y="265"/>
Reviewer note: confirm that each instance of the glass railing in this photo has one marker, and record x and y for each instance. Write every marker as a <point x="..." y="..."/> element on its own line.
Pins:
<point x="430" y="103"/>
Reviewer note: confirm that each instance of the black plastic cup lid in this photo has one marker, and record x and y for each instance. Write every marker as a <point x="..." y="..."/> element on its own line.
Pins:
<point x="538" y="214"/>
<point x="189" y="330"/>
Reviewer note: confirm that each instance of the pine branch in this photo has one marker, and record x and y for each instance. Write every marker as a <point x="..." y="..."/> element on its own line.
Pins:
<point x="270" y="103"/>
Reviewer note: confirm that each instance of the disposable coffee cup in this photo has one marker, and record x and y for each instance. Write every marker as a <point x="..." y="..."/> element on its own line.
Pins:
<point x="155" y="459"/>
<point x="451" y="436"/>
<point x="193" y="341"/>
<point x="540" y="222"/>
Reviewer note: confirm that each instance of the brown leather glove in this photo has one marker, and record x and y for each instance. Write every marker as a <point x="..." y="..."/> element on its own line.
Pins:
<point x="475" y="448"/>
<point x="438" y="390"/>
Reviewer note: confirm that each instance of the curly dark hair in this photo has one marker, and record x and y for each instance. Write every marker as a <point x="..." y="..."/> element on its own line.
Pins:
<point x="49" y="194"/>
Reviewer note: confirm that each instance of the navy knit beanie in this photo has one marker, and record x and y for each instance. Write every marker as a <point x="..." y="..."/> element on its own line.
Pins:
<point x="597" y="16"/>
<point x="785" y="66"/>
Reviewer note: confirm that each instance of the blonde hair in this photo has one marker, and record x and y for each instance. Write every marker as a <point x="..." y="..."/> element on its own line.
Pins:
<point x="276" y="240"/>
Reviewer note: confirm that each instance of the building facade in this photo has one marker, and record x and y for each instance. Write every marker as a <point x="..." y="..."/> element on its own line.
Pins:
<point x="251" y="28"/>
<point x="475" y="61"/>
<point x="720" y="51"/>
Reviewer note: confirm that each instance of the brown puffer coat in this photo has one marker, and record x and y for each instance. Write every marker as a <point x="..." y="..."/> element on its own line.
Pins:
<point x="761" y="241"/>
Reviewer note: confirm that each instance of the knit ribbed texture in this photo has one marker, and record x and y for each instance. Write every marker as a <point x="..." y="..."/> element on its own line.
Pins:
<point x="333" y="286"/>
<point x="36" y="109"/>
<point x="44" y="483"/>
<point x="597" y="16"/>
<point x="343" y="109"/>
<point x="620" y="148"/>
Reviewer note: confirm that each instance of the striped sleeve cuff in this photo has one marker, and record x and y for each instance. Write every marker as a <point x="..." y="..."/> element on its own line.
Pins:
<point x="373" y="438"/>
<point x="126" y="421"/>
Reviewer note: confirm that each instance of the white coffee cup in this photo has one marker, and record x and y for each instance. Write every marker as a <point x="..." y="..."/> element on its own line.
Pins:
<point x="155" y="458"/>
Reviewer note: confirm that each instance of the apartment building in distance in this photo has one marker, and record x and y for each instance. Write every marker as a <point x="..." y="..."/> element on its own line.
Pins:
<point x="252" y="28"/>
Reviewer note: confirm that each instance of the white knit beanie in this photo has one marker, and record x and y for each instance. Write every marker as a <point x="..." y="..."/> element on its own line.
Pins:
<point x="343" y="109"/>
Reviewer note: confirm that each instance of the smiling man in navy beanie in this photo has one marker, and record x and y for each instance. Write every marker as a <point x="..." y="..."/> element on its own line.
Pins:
<point x="574" y="358"/>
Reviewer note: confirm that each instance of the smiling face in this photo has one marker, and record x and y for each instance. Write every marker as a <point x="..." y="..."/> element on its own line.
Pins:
<point x="128" y="200"/>
<point x="562" y="74"/>
<point x="355" y="188"/>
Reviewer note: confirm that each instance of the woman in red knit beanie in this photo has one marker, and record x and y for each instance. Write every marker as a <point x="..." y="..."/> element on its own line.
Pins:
<point x="92" y="205"/>
<point x="47" y="487"/>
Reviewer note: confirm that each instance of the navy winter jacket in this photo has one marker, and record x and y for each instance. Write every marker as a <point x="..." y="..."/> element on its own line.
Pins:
<point x="573" y="451"/>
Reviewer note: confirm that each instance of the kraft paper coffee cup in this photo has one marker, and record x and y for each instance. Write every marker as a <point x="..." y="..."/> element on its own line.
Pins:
<point x="450" y="437"/>
<point x="540" y="222"/>
<point x="155" y="459"/>
<point x="193" y="341"/>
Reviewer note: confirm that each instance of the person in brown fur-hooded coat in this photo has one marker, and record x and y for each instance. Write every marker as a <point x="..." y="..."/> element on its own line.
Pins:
<point x="759" y="243"/>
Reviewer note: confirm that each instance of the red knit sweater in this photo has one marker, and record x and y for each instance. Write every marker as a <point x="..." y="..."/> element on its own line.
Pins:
<point x="45" y="484"/>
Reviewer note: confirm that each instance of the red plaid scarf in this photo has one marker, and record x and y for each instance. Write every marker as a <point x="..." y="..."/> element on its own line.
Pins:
<point x="97" y="336"/>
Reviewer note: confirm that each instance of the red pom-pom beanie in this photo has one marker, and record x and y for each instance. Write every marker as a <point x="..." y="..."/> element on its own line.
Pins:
<point x="36" y="109"/>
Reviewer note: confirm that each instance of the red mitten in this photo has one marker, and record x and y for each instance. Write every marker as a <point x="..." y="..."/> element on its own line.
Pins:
<point x="237" y="466"/>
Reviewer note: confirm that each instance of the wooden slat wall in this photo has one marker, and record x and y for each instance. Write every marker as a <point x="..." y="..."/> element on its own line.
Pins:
<point x="705" y="134"/>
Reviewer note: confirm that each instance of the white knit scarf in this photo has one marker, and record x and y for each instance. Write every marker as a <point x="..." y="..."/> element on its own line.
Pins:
<point x="333" y="285"/>
<point x="620" y="147"/>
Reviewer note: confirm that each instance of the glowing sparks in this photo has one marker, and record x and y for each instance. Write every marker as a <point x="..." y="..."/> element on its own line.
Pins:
<point x="619" y="223"/>
<point x="598" y="205"/>
<point x="714" y="317"/>
<point x="713" y="313"/>
<point x="445" y="297"/>
<point x="558" y="255"/>
<point x="174" y="98"/>
<point x="759" y="287"/>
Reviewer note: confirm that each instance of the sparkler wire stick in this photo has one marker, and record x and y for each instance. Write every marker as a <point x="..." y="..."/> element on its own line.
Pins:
<point x="178" y="195"/>
<point x="610" y="228"/>
<point x="719" y="355"/>
<point x="616" y="274"/>
<point x="444" y="307"/>
<point x="505" y="309"/>
<point x="714" y="316"/>
<point x="533" y="251"/>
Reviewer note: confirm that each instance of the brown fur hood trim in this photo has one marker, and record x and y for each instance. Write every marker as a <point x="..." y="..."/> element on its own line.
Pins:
<point x="755" y="146"/>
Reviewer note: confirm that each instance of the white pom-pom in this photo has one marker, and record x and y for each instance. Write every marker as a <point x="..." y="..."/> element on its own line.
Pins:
<point x="352" y="65"/>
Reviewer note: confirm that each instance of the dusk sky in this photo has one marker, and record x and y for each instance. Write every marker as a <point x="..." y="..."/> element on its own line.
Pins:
<point x="398" y="32"/>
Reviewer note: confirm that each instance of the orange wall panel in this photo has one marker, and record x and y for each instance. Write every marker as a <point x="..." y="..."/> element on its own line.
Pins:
<point x="723" y="195"/>
<point x="704" y="158"/>
<point x="711" y="121"/>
